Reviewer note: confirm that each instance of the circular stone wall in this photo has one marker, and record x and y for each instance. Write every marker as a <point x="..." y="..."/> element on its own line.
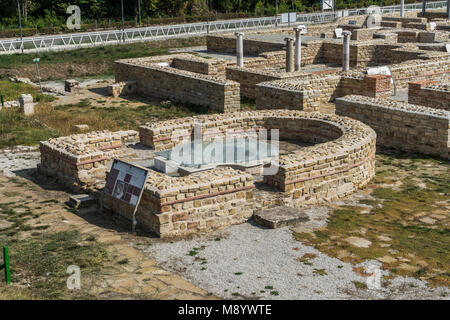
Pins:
<point x="341" y="162"/>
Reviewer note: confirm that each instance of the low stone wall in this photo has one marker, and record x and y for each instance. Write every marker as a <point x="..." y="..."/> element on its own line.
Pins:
<point x="310" y="91"/>
<point x="404" y="20"/>
<point x="218" y="94"/>
<point x="430" y="94"/>
<point x="400" y="125"/>
<point x="227" y="43"/>
<point x="249" y="78"/>
<point x="80" y="161"/>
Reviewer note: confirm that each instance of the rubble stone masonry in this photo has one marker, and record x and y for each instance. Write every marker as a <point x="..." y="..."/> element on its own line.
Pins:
<point x="430" y="94"/>
<point x="80" y="161"/>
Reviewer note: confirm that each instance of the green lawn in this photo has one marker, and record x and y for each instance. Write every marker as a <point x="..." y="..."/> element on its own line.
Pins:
<point x="12" y="91"/>
<point x="99" y="54"/>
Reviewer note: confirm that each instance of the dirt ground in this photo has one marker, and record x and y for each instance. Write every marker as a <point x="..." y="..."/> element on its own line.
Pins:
<point x="126" y="274"/>
<point x="401" y="220"/>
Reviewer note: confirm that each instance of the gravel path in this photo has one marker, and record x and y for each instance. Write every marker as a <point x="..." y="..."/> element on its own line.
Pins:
<point x="252" y="262"/>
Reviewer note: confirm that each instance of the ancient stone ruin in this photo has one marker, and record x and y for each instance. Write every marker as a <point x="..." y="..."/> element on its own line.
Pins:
<point x="325" y="97"/>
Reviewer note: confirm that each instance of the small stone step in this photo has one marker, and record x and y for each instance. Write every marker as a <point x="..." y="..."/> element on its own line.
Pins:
<point x="81" y="201"/>
<point x="278" y="217"/>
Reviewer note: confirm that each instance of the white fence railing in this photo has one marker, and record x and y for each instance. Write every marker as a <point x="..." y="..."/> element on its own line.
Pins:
<point x="102" y="38"/>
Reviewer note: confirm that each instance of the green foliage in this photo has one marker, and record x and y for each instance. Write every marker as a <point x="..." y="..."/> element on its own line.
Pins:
<point x="51" y="14"/>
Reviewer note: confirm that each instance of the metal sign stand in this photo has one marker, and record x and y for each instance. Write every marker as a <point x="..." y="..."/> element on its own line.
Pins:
<point x="120" y="167"/>
<point x="133" y="227"/>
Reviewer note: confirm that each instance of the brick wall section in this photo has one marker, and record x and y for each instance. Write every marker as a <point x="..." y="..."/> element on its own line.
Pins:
<point x="178" y="85"/>
<point x="326" y="176"/>
<point x="227" y="43"/>
<point x="430" y="94"/>
<point x="433" y="69"/>
<point x="376" y="86"/>
<point x="80" y="161"/>
<point x="400" y="125"/>
<point x="196" y="66"/>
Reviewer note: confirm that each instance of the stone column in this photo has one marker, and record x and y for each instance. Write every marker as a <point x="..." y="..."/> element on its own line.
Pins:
<point x="346" y="50"/>
<point x="448" y="9"/>
<point x="26" y="104"/>
<point x="424" y="7"/>
<point x="298" y="48"/>
<point x="289" y="54"/>
<point x="240" y="49"/>
<point x="402" y="8"/>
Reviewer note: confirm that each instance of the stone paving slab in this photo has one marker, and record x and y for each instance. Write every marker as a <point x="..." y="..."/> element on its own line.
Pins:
<point x="280" y="217"/>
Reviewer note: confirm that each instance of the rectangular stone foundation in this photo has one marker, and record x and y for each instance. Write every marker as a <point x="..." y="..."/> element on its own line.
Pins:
<point x="179" y="85"/>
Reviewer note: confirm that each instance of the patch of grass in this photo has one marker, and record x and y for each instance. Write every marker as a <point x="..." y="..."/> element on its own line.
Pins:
<point x="11" y="194"/>
<point x="368" y="202"/>
<point x="320" y="272"/>
<point x="305" y="259"/>
<point x="274" y="293"/>
<point x="360" y="285"/>
<point x="248" y="104"/>
<point x="238" y="273"/>
<point x="397" y="220"/>
<point x="16" y="129"/>
<point x="12" y="91"/>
